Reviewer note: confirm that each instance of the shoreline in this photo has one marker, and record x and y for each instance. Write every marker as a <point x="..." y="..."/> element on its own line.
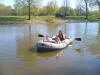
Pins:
<point x="40" y="21"/>
<point x="45" y="19"/>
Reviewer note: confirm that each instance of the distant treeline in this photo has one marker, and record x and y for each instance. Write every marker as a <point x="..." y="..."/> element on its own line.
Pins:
<point x="5" y="10"/>
<point x="22" y="8"/>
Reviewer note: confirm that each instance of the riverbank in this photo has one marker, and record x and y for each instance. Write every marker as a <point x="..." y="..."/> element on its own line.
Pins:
<point x="38" y="22"/>
<point x="44" y="19"/>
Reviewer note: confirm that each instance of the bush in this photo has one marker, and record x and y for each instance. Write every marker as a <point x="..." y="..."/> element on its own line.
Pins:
<point x="49" y="19"/>
<point x="59" y="15"/>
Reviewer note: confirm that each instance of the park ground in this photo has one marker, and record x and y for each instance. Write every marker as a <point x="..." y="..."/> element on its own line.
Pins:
<point x="44" y="19"/>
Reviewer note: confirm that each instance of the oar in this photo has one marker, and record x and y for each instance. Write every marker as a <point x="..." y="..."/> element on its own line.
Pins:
<point x="40" y="35"/>
<point x="78" y="39"/>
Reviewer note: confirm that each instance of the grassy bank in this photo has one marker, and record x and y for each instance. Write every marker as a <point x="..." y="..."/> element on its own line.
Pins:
<point x="13" y="18"/>
<point x="34" y="20"/>
<point x="48" y="18"/>
<point x="82" y="18"/>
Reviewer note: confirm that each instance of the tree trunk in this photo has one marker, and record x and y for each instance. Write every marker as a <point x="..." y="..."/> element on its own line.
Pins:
<point x="86" y="5"/>
<point x="98" y="2"/>
<point x="86" y="11"/>
<point x="65" y="11"/>
<point x="99" y="8"/>
<point x="65" y="8"/>
<point x="29" y="9"/>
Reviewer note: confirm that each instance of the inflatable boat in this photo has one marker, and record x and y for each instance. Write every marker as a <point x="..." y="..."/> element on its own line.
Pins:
<point x="51" y="46"/>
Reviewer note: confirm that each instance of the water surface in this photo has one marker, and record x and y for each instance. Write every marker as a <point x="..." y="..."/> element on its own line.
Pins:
<point x="18" y="54"/>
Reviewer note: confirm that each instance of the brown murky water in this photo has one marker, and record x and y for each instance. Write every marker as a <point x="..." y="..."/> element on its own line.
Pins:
<point x="18" y="55"/>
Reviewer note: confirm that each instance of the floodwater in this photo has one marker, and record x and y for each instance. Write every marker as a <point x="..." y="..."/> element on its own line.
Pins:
<point x="18" y="55"/>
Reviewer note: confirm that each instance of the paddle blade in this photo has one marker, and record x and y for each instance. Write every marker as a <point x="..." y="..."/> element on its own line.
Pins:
<point x="78" y="39"/>
<point x="40" y="35"/>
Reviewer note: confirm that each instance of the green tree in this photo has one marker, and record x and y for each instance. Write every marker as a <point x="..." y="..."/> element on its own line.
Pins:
<point x="51" y="8"/>
<point x="42" y="11"/>
<point x="25" y="10"/>
<point x="22" y="4"/>
<point x="73" y="12"/>
<point x="35" y="10"/>
<point x="5" y="10"/>
<point x="18" y="6"/>
<point x="63" y="12"/>
<point x="66" y="7"/>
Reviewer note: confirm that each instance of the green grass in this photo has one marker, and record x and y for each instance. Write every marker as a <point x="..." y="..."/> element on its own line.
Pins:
<point x="82" y="18"/>
<point x="12" y="18"/>
<point x="75" y="17"/>
<point x="47" y="18"/>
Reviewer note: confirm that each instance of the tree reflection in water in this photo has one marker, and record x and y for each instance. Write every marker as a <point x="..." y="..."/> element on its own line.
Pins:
<point x="48" y="55"/>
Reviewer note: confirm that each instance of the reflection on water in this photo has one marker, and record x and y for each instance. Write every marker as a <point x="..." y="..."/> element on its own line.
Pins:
<point x="48" y="55"/>
<point x="98" y="57"/>
<point x="78" y="50"/>
<point x="18" y="50"/>
<point x="94" y="48"/>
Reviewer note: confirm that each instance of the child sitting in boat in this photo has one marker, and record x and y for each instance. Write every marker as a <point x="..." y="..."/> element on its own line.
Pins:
<point x="61" y="36"/>
<point x="49" y="39"/>
<point x="57" y="39"/>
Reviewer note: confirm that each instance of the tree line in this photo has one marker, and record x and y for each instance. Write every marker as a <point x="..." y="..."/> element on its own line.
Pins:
<point x="33" y="8"/>
<point x="5" y="10"/>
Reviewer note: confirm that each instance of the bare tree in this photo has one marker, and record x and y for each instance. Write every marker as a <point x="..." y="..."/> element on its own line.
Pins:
<point x="66" y="6"/>
<point x="84" y="5"/>
<point x="98" y="2"/>
<point x="95" y="4"/>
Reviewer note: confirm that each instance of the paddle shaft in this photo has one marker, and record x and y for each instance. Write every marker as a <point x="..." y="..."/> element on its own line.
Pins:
<point x="40" y="35"/>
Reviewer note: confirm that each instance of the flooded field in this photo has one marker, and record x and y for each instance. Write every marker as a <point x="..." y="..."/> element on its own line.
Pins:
<point x="18" y="54"/>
